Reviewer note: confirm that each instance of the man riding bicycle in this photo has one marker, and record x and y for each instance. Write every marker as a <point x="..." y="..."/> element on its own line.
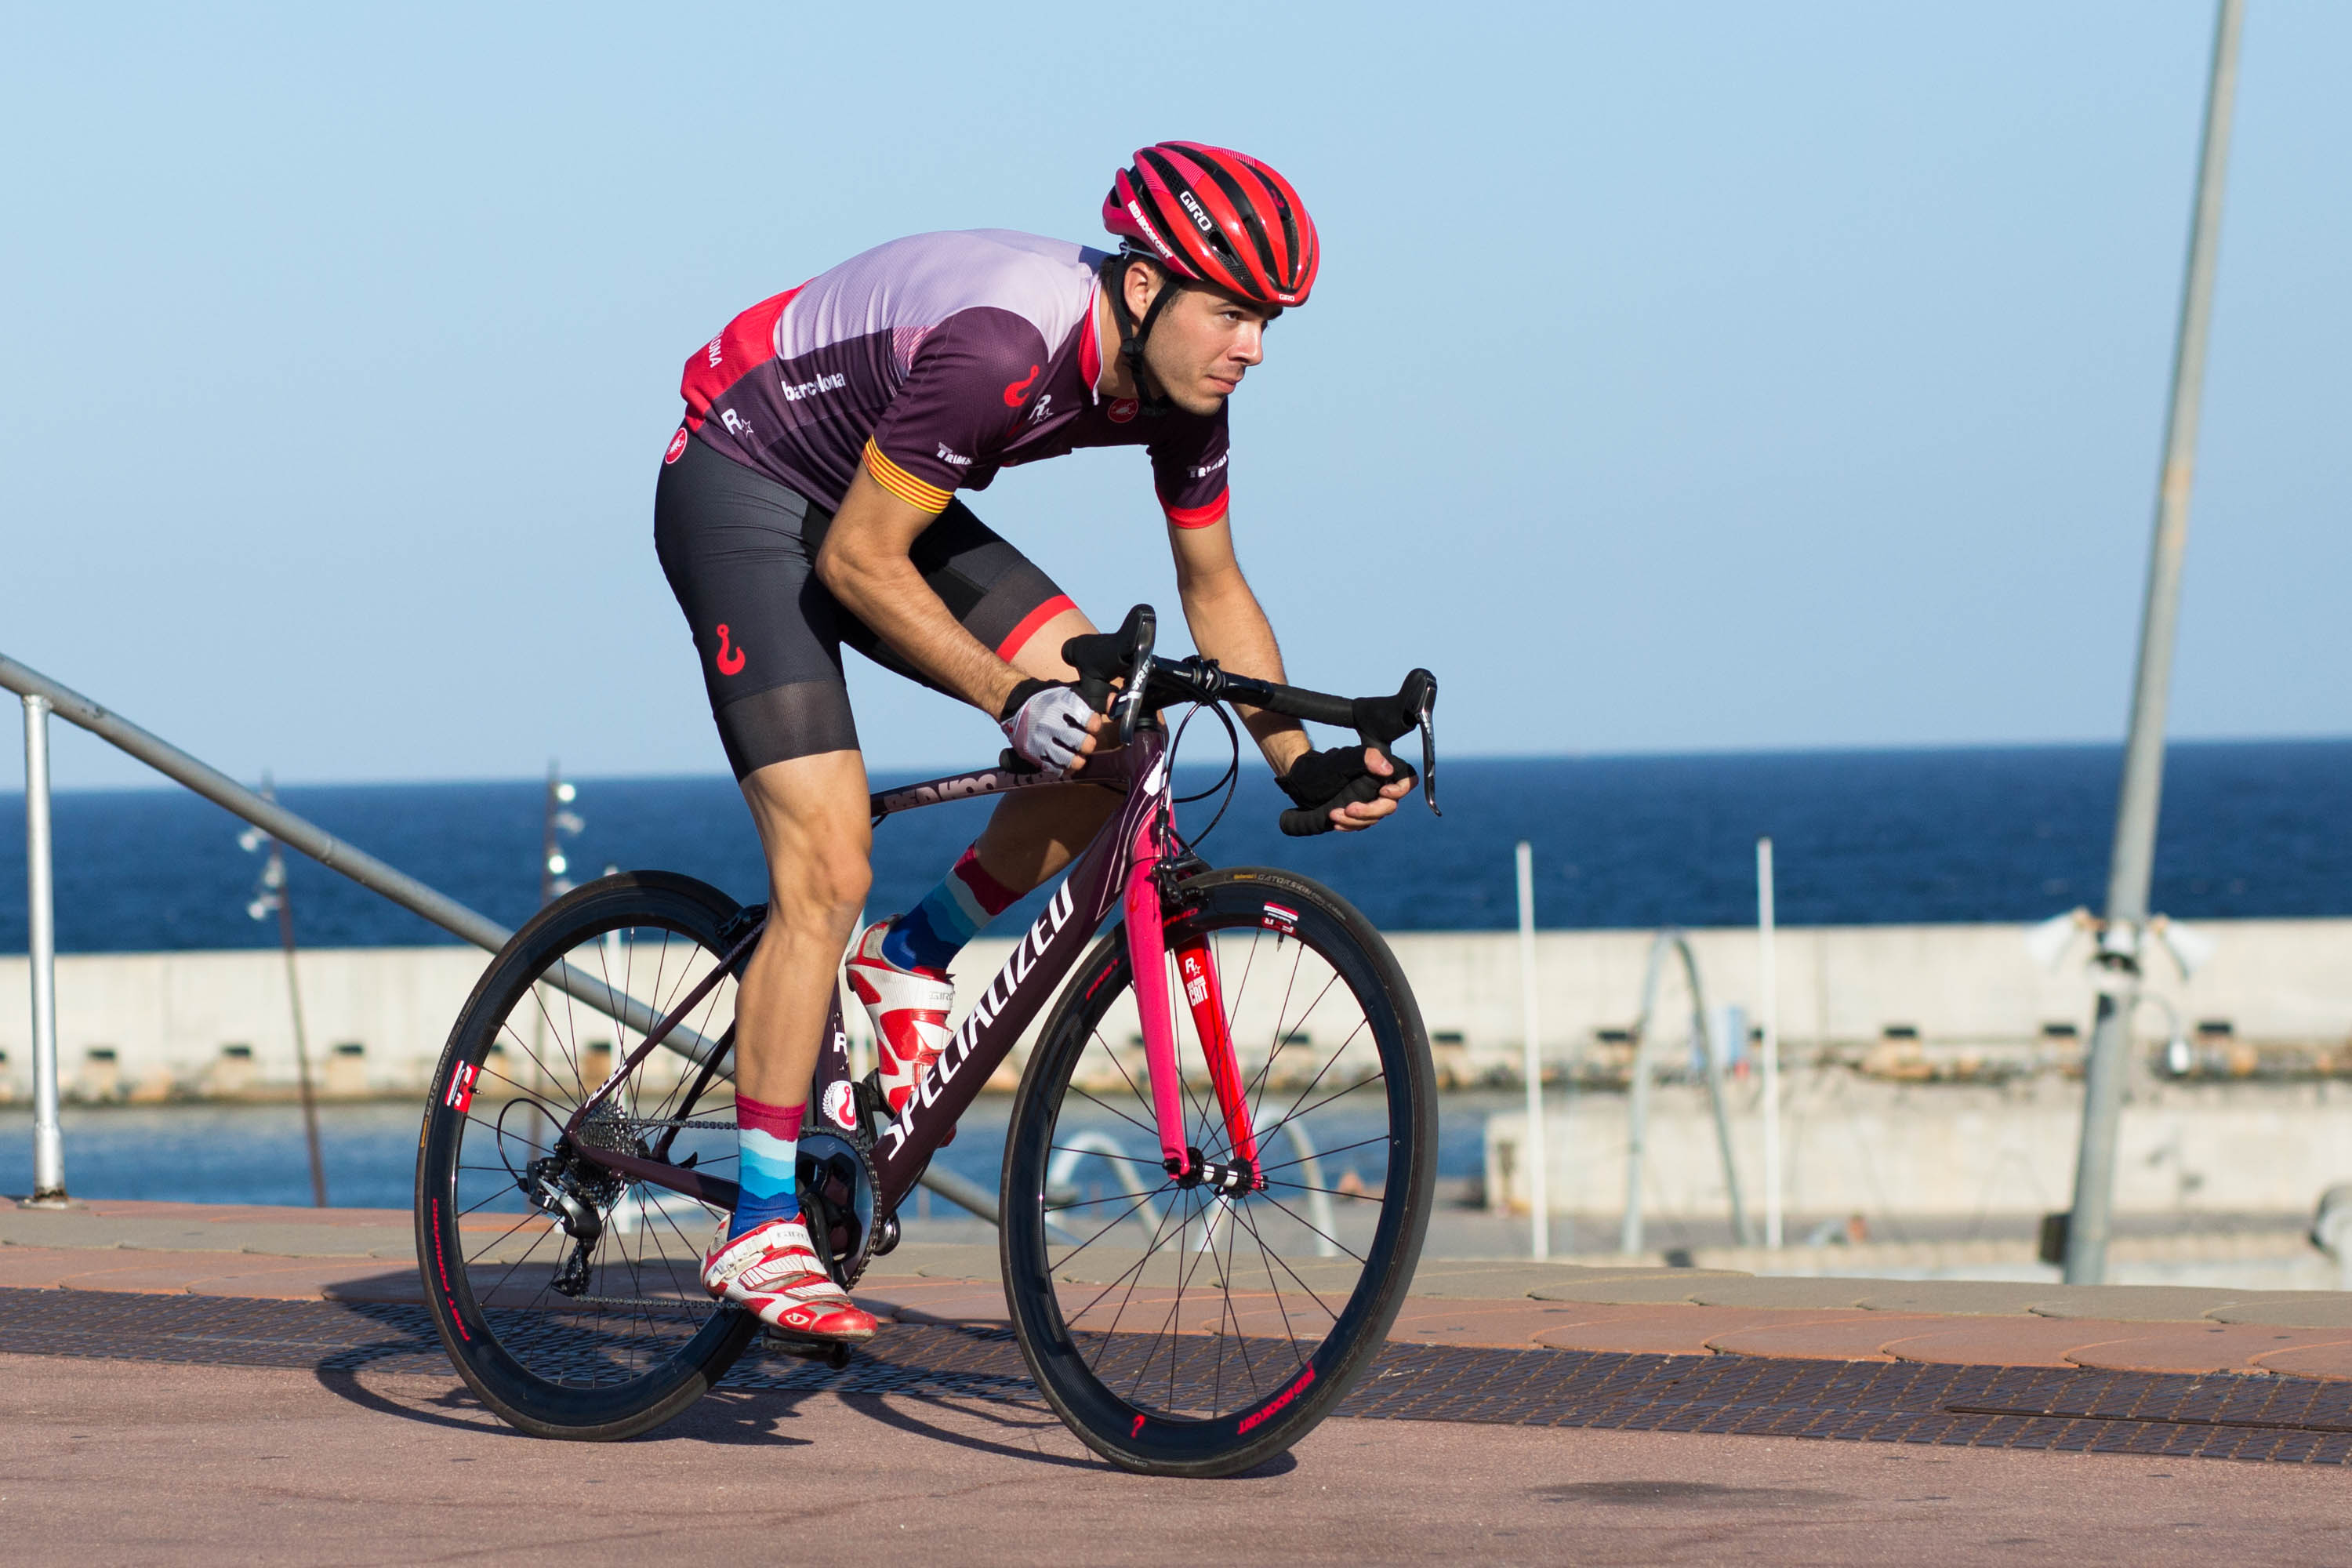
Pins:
<point x="808" y="500"/>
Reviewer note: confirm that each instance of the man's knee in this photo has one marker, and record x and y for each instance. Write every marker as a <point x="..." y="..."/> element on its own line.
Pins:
<point x="811" y="812"/>
<point x="826" y="882"/>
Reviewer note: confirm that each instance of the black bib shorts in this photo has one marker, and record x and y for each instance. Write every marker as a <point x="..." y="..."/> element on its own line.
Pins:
<point x="739" y="551"/>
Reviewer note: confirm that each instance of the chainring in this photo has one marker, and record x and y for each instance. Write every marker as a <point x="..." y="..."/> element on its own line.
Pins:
<point x="837" y="1187"/>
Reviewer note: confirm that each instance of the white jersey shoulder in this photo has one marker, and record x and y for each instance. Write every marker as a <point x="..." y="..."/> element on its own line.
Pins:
<point x="909" y="286"/>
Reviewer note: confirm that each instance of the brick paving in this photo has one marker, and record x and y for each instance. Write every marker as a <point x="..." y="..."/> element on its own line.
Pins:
<point x="2240" y="1416"/>
<point x="361" y="1257"/>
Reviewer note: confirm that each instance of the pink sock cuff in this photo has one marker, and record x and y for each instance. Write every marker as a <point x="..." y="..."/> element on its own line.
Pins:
<point x="993" y="896"/>
<point x="775" y="1120"/>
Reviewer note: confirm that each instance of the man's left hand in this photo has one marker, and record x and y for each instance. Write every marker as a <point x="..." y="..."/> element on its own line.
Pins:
<point x="1363" y="813"/>
<point x="1318" y="777"/>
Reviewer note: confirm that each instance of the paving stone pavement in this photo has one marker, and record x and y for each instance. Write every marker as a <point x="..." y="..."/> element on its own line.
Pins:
<point x="365" y="1255"/>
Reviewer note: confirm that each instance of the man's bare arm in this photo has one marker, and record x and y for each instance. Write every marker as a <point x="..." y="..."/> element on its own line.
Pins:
<point x="865" y="561"/>
<point x="1229" y="625"/>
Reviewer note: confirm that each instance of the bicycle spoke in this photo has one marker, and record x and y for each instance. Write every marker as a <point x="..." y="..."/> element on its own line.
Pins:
<point x="1322" y="1154"/>
<point x="1106" y="1230"/>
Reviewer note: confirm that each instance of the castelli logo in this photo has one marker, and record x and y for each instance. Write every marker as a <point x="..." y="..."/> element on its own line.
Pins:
<point x="841" y="1104"/>
<point x="1122" y="409"/>
<point x="677" y="447"/>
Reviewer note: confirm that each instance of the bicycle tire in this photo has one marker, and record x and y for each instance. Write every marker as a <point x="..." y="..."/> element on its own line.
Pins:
<point x="1176" y="1429"/>
<point x="522" y="1055"/>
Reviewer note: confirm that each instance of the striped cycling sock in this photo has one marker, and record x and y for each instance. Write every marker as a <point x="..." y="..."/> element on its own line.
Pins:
<point x="929" y="935"/>
<point x="767" y="1143"/>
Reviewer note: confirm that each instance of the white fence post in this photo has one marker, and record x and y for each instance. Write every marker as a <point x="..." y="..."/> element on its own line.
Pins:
<point x="1538" y="1195"/>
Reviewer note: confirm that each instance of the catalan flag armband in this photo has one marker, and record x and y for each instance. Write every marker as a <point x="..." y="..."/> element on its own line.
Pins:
<point x="917" y="493"/>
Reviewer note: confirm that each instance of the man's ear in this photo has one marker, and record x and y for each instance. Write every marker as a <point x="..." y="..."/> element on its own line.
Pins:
<point x="1142" y="283"/>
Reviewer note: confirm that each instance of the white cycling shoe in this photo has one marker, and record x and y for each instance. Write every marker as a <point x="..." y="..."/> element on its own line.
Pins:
<point x="909" y="1009"/>
<point x="773" y="1272"/>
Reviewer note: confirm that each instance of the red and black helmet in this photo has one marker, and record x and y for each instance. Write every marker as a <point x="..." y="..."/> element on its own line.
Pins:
<point x="1217" y="218"/>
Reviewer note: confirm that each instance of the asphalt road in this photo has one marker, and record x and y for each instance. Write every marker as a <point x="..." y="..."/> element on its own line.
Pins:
<point x="127" y="1461"/>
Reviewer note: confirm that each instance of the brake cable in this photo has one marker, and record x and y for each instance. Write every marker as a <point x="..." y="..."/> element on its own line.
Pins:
<point x="1229" y="781"/>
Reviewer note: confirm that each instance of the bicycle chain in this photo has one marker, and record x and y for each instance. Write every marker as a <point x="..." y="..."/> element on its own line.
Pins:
<point x="635" y="1123"/>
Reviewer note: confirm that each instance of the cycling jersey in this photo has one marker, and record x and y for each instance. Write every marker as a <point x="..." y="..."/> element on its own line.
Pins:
<point x="934" y="361"/>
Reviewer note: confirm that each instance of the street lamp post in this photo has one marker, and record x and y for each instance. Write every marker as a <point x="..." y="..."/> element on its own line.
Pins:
<point x="2133" y="862"/>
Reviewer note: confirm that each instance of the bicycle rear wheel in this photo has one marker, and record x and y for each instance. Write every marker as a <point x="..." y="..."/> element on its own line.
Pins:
<point x="570" y="1300"/>
<point x="1179" y="1331"/>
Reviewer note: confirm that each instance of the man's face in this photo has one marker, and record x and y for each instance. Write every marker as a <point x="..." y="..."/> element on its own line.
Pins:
<point x="1201" y="345"/>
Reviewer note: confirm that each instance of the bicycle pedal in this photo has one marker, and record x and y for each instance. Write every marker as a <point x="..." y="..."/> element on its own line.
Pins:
<point x="834" y="1353"/>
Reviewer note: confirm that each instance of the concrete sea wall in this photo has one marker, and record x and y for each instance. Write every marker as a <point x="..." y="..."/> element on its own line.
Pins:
<point x="1852" y="1145"/>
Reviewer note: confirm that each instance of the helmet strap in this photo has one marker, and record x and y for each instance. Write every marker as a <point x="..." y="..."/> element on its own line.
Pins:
<point x="1132" y="333"/>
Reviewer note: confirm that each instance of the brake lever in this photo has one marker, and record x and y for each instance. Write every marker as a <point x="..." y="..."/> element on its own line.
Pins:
<point x="1429" y="748"/>
<point x="1127" y="706"/>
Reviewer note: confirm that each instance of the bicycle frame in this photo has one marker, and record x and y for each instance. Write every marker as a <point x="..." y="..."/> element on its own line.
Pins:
<point x="1117" y="870"/>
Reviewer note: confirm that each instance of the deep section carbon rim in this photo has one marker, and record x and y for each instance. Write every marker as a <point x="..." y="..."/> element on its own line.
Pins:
<point x="1179" y="1328"/>
<point x="571" y="1296"/>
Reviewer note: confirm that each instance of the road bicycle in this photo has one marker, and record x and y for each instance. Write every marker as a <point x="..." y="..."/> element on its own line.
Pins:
<point x="1216" y="1175"/>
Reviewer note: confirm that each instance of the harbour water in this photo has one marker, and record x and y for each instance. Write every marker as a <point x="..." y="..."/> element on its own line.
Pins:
<point x="253" y="1153"/>
<point x="2249" y="829"/>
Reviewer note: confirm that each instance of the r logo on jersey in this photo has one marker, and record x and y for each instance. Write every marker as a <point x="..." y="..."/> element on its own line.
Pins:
<point x="1015" y="391"/>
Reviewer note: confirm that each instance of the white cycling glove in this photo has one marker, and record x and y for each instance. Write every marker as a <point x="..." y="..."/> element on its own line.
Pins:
<point x="1047" y="723"/>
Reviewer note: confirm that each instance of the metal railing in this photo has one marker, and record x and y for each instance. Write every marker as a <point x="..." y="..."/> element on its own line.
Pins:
<point x="43" y="696"/>
<point x="1628" y="1237"/>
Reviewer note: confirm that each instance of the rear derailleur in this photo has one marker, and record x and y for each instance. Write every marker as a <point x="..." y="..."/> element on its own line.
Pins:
<point x="576" y="1194"/>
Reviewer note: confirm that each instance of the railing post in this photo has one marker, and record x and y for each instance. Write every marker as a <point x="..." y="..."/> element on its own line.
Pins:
<point x="1531" y="1054"/>
<point x="41" y="948"/>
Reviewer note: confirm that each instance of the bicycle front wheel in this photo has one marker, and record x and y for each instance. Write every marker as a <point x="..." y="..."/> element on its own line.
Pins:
<point x="570" y="1300"/>
<point x="1176" y="1330"/>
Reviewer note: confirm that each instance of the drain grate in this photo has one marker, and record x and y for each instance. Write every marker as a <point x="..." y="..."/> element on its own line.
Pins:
<point x="2269" y="1419"/>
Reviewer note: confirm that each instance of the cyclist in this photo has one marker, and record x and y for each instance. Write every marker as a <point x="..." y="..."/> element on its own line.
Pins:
<point x="809" y="500"/>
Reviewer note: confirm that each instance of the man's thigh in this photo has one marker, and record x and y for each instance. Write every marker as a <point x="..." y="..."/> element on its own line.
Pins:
<point x="734" y="546"/>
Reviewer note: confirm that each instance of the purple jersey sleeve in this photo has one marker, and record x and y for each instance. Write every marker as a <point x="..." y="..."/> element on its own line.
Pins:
<point x="1188" y="469"/>
<point x="966" y="394"/>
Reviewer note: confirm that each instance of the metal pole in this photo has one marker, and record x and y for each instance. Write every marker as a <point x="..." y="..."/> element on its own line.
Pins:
<point x="1768" y="983"/>
<point x="2132" y="861"/>
<point x="271" y="817"/>
<point x="327" y="850"/>
<point x="41" y="947"/>
<point x="285" y="892"/>
<point x="1538" y="1189"/>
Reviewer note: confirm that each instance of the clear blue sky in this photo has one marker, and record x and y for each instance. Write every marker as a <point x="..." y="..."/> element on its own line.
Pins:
<point x="1680" y="377"/>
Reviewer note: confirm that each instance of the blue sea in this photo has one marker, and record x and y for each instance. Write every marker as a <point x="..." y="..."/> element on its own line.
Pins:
<point x="1861" y="838"/>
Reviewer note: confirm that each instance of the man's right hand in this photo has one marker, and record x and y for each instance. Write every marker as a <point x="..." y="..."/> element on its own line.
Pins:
<point x="1050" y="725"/>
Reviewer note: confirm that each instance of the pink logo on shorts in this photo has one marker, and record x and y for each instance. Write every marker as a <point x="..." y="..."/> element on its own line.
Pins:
<point x="677" y="447"/>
